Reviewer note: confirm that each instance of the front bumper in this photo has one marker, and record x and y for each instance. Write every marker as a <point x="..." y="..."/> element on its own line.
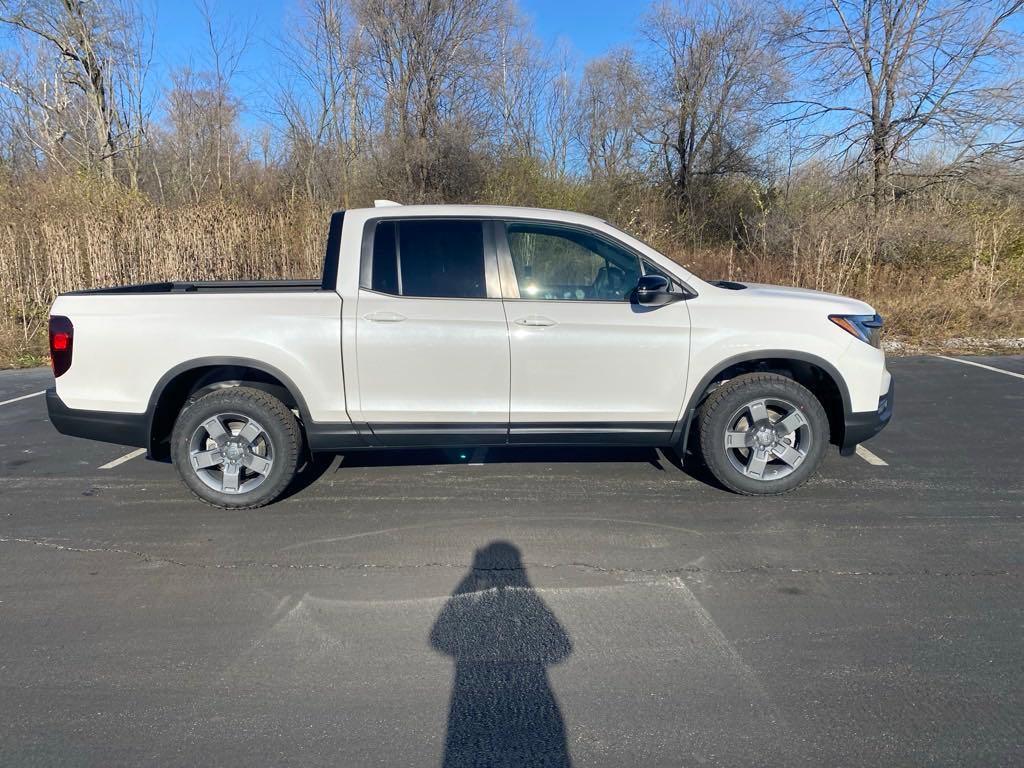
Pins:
<point x="864" y="425"/>
<point x="106" y="426"/>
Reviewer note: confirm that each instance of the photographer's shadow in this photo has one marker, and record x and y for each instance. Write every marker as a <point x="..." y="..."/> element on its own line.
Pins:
<point x="502" y="637"/>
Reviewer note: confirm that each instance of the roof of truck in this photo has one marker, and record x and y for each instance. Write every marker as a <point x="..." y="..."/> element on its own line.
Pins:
<point x="386" y="208"/>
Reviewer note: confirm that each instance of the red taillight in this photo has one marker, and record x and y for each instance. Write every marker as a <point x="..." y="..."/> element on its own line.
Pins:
<point x="62" y="337"/>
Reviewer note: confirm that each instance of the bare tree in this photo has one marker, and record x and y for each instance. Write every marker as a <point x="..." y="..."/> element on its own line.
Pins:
<point x="319" y="99"/>
<point x="90" y="56"/>
<point x="713" y="71"/>
<point x="227" y="43"/>
<point x="427" y="60"/>
<point x="37" y="112"/>
<point x="611" y="99"/>
<point x="557" y="110"/>
<point x="516" y="82"/>
<point x="201" y="139"/>
<point x="134" y="97"/>
<point x="887" y="81"/>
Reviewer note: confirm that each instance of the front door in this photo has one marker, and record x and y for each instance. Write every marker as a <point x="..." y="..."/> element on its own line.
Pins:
<point x="431" y="335"/>
<point x="588" y="365"/>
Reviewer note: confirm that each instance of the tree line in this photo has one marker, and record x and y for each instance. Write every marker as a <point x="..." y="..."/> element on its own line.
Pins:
<point x="422" y="98"/>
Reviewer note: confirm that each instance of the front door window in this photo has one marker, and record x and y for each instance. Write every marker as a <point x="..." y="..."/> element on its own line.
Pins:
<point x="563" y="264"/>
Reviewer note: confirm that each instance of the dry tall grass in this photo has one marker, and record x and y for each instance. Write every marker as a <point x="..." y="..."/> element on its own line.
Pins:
<point x="75" y="238"/>
<point x="66" y="245"/>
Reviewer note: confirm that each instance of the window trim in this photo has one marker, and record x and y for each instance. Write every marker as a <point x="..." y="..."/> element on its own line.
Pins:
<point x="507" y="270"/>
<point x="492" y="284"/>
<point x="398" y="256"/>
<point x="498" y="268"/>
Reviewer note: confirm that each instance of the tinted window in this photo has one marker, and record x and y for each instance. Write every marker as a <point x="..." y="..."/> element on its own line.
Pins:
<point x="566" y="264"/>
<point x="385" y="265"/>
<point x="430" y="258"/>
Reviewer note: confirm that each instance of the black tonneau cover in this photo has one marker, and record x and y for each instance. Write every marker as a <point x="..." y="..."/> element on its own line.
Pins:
<point x="210" y="286"/>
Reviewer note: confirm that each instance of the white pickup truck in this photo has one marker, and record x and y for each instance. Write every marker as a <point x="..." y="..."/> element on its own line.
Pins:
<point x="468" y="326"/>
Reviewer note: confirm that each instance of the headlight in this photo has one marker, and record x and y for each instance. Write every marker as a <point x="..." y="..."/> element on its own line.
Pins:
<point x="867" y="328"/>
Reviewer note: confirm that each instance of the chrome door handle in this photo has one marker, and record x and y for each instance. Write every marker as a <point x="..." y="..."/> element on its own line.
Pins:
<point x="535" y="321"/>
<point x="384" y="317"/>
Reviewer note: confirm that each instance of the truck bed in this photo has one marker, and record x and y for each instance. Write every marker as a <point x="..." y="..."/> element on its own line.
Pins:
<point x="326" y="283"/>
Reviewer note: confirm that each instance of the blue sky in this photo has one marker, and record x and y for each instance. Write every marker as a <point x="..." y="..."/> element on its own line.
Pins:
<point x="590" y="27"/>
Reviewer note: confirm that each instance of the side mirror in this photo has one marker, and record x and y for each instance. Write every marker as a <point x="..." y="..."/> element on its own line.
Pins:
<point x="654" y="290"/>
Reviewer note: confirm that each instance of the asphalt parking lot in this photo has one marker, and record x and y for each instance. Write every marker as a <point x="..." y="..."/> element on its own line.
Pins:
<point x="643" y="616"/>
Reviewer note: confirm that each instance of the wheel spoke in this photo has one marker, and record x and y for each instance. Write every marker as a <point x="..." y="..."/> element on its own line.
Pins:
<point x="205" y="459"/>
<point x="758" y="461"/>
<point x="791" y="423"/>
<point x="788" y="454"/>
<point x="250" y="431"/>
<point x="229" y="483"/>
<point x="230" y="452"/>
<point x="758" y="411"/>
<point x="257" y="464"/>
<point x="737" y="439"/>
<point x="214" y="428"/>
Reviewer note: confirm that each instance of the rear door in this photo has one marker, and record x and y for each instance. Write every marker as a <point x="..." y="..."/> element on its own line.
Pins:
<point x="588" y="364"/>
<point x="432" y="350"/>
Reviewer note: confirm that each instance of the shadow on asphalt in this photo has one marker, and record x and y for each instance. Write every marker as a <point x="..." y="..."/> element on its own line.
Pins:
<point x="310" y="472"/>
<point x="662" y="459"/>
<point x="502" y="638"/>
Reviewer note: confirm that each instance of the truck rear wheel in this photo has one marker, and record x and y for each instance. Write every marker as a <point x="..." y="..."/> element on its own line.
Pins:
<point x="763" y="434"/>
<point x="236" y="447"/>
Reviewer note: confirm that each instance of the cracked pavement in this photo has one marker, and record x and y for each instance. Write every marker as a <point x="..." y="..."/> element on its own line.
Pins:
<point x="639" y="617"/>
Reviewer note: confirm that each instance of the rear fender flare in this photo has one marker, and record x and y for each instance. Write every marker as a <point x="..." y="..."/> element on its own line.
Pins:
<point x="208" y="362"/>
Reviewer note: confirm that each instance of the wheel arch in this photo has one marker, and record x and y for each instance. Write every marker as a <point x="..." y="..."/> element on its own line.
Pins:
<point x="818" y="375"/>
<point x="189" y="378"/>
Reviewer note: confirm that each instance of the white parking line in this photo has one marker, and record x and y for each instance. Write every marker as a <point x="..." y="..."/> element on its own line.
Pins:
<point x="123" y="459"/>
<point x="870" y="458"/>
<point x="23" y="397"/>
<point x="477" y="458"/>
<point x="968" y="362"/>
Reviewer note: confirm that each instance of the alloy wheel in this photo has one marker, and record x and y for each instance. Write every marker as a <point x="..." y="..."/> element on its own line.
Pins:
<point x="767" y="439"/>
<point x="231" y="453"/>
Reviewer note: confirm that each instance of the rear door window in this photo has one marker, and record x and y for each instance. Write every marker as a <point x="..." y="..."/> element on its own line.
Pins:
<point x="429" y="258"/>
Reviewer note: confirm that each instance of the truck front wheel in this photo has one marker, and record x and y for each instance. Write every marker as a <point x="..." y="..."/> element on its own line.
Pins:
<point x="762" y="434"/>
<point x="236" y="447"/>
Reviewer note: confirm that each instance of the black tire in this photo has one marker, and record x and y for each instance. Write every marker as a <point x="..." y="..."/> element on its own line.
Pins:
<point x="716" y="417"/>
<point x="280" y="431"/>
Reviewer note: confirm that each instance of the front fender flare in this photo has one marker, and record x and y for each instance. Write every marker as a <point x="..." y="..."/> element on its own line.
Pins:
<point x="682" y="432"/>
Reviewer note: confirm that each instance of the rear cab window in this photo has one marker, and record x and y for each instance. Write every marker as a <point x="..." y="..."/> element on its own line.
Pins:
<point x="428" y="258"/>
